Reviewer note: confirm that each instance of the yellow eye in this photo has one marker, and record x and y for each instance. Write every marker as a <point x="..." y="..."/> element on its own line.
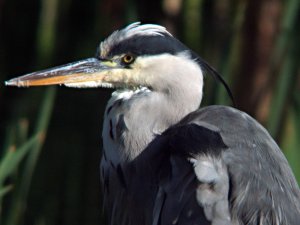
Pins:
<point x="127" y="59"/>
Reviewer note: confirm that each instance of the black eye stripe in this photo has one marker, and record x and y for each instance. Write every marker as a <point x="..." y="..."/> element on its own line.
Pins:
<point x="148" y="45"/>
<point x="145" y="45"/>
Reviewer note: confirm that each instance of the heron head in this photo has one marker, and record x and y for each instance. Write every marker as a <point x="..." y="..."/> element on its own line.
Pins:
<point x="136" y="56"/>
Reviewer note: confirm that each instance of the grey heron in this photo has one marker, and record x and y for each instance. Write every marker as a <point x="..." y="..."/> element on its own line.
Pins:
<point x="165" y="161"/>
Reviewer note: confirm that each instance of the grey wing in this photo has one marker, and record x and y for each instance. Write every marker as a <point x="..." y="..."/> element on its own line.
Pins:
<point x="194" y="187"/>
<point x="262" y="187"/>
<point x="218" y="166"/>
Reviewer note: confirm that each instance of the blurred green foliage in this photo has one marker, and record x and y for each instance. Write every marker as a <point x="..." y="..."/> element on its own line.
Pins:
<point x="49" y="169"/>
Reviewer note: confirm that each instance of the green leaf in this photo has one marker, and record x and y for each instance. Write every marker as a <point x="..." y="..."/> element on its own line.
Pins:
<point x="13" y="157"/>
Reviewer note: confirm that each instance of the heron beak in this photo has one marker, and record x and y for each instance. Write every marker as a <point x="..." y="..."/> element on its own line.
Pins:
<point x="90" y="72"/>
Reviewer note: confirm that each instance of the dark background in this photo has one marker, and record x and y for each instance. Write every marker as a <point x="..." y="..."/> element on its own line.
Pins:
<point x="53" y="178"/>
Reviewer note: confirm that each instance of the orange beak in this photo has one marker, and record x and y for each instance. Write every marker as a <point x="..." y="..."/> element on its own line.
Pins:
<point x="90" y="72"/>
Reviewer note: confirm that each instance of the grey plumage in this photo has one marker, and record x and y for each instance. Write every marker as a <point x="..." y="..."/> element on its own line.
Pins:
<point x="164" y="160"/>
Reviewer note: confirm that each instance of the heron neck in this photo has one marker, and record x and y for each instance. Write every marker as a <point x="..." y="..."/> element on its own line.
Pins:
<point x="133" y="119"/>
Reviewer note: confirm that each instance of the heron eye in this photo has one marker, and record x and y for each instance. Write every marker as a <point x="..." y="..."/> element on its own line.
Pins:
<point x="127" y="59"/>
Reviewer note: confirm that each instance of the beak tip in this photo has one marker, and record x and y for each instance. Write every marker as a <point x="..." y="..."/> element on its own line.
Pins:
<point x="14" y="82"/>
<point x="9" y="83"/>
